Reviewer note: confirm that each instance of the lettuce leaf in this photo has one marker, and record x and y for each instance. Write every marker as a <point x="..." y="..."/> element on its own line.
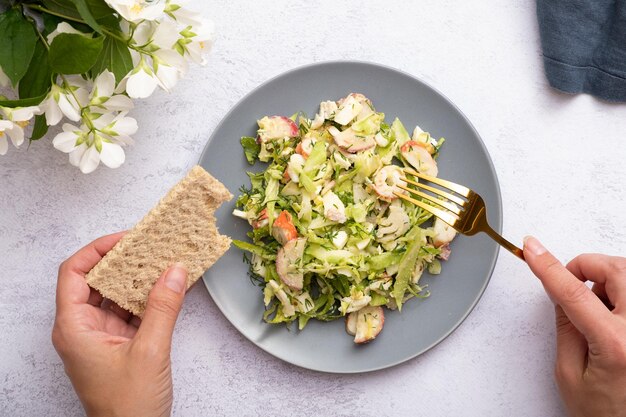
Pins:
<point x="250" y="148"/>
<point x="407" y="265"/>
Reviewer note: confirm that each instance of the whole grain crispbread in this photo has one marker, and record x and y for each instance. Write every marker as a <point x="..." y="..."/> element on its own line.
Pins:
<point x="181" y="228"/>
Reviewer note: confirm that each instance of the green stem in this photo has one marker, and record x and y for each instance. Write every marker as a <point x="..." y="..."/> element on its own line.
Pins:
<point x="44" y="10"/>
<point x="43" y="40"/>
<point x="73" y="19"/>
<point x="68" y="87"/>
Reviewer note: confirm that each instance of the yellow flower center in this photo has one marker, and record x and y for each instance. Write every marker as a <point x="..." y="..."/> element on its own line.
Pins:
<point x="137" y="8"/>
<point x="1" y="133"/>
<point x="23" y="123"/>
<point x="201" y="44"/>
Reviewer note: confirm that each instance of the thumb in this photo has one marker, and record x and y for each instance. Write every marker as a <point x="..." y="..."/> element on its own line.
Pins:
<point x="164" y="303"/>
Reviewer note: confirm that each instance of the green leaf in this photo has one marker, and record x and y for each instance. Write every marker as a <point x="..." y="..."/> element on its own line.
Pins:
<point x="40" y="128"/>
<point x="400" y="133"/>
<point x="250" y="148"/>
<point x="38" y="77"/>
<point x="85" y="13"/>
<point x="33" y="101"/>
<point x="407" y="265"/>
<point x="256" y="249"/>
<point x="74" y="54"/>
<point x="98" y="8"/>
<point x="115" y="57"/>
<point x="18" y="39"/>
<point x="50" y="23"/>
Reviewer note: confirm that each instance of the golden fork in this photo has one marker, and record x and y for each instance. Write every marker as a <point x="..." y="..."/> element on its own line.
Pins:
<point x="467" y="215"/>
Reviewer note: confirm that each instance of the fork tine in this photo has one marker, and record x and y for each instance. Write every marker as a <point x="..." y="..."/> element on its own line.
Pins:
<point x="447" y="204"/>
<point x="464" y="191"/>
<point x="442" y="193"/>
<point x="442" y="214"/>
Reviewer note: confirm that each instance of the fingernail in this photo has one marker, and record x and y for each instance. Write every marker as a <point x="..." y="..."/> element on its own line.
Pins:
<point x="532" y="245"/>
<point x="176" y="278"/>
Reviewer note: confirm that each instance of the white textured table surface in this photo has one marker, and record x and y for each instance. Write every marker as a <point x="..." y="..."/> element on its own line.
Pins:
<point x="560" y="161"/>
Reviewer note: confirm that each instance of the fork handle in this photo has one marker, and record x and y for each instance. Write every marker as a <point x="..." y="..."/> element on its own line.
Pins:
<point x="504" y="243"/>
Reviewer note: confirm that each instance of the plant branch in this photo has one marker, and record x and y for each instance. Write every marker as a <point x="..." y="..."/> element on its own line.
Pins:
<point x="73" y="19"/>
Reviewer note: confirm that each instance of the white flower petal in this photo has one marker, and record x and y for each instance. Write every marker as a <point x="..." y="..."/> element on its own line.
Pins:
<point x="166" y="34"/>
<point x="167" y="77"/>
<point x="173" y="59"/>
<point x="137" y="10"/>
<point x="104" y="84"/>
<point x="112" y="155"/>
<point x="77" y="154"/>
<point x="118" y="103"/>
<point x="125" y="126"/>
<point x="4" y="144"/>
<point x="82" y="95"/>
<point x="144" y="32"/>
<point x="121" y="87"/>
<point x="21" y="114"/>
<point x="124" y="140"/>
<point x="152" y="10"/>
<point x="52" y="111"/>
<point x="77" y="81"/>
<point x="70" y="111"/>
<point x="103" y="121"/>
<point x="140" y="85"/>
<point x="90" y="160"/>
<point x="16" y="134"/>
<point x="65" y="141"/>
<point x="187" y="17"/>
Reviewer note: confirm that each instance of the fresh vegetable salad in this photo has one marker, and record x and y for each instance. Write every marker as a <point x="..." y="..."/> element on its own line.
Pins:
<point x="330" y="238"/>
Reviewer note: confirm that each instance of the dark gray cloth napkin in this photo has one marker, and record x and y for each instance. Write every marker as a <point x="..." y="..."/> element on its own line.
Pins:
<point x="584" y="46"/>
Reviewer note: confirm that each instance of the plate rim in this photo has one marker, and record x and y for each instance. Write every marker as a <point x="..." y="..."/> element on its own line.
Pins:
<point x="497" y="227"/>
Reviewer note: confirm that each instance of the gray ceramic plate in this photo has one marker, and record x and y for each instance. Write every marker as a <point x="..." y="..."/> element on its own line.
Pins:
<point x="422" y="323"/>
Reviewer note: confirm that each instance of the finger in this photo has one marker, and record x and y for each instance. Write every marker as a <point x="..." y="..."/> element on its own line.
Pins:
<point x="164" y="303"/>
<point x="115" y="309"/>
<point x="603" y="269"/>
<point x="87" y="257"/>
<point x="571" y="348"/>
<point x="583" y="308"/>
<point x="71" y="286"/>
<point x="600" y="292"/>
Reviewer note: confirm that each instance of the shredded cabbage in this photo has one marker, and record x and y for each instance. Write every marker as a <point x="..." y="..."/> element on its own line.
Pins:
<point x="364" y="247"/>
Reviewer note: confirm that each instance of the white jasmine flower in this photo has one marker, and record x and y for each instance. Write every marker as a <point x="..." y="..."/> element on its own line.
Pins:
<point x="102" y="96"/>
<point x="116" y="128"/>
<point x="63" y="27"/>
<point x="141" y="82"/>
<point x="183" y="15"/>
<point x="197" y="41"/>
<point x="87" y="148"/>
<point x="59" y="102"/>
<point x="13" y="124"/>
<point x="169" y="66"/>
<point x="19" y="114"/>
<point x="70" y="138"/>
<point x="136" y="10"/>
<point x="4" y="80"/>
<point x="14" y="131"/>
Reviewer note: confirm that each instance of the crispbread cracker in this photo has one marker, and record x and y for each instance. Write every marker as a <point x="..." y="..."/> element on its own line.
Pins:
<point x="181" y="228"/>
